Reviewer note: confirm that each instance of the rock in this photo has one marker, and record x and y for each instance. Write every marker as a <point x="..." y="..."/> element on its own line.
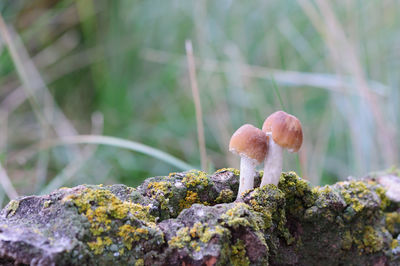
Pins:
<point x="190" y="219"/>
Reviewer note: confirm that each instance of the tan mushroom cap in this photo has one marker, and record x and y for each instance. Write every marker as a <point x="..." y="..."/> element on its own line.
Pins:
<point x="286" y="130"/>
<point x="249" y="141"/>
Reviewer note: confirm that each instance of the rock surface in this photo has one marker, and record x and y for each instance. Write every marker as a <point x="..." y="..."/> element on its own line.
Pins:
<point x="191" y="218"/>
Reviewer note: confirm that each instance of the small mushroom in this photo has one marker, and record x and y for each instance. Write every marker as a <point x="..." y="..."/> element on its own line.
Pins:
<point x="284" y="131"/>
<point x="251" y="144"/>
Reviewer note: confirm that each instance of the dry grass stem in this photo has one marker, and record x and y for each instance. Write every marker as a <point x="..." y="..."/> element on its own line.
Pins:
<point x="340" y="47"/>
<point x="197" y="104"/>
<point x="6" y="184"/>
<point x="332" y="82"/>
<point x="32" y="81"/>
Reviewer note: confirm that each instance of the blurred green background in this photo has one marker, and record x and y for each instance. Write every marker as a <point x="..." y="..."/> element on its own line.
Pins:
<point x="119" y="68"/>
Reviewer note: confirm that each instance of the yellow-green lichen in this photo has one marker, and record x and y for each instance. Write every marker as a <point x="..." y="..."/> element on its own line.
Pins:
<point x="242" y="215"/>
<point x="190" y="199"/>
<point x="323" y="194"/>
<point x="290" y="183"/>
<point x="367" y="239"/>
<point x="157" y="187"/>
<point x="195" y="236"/>
<point x="394" y="244"/>
<point x="204" y="233"/>
<point x="225" y="196"/>
<point x="12" y="207"/>
<point x="98" y="246"/>
<point x="238" y="254"/>
<point x="382" y="195"/>
<point x="47" y="204"/>
<point x="238" y="216"/>
<point x="261" y="173"/>
<point x="353" y="192"/>
<point x="262" y="209"/>
<point x="121" y="251"/>
<point x="160" y="191"/>
<point x="325" y="190"/>
<point x="195" y="178"/>
<point x="101" y="206"/>
<point x="181" y="239"/>
<point x="172" y="174"/>
<point x="347" y="240"/>
<point x="268" y="200"/>
<point x="139" y="262"/>
<point x="298" y="193"/>
<point x="392" y="221"/>
<point x="372" y="241"/>
<point x="130" y="234"/>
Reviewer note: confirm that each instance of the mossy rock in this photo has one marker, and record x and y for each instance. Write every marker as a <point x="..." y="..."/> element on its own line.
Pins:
<point x="191" y="218"/>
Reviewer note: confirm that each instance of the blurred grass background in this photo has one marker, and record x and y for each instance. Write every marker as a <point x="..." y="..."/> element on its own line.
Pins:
<point x="119" y="68"/>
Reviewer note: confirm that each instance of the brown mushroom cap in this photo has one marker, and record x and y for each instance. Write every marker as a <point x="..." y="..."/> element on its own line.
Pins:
<point x="286" y="130"/>
<point x="249" y="141"/>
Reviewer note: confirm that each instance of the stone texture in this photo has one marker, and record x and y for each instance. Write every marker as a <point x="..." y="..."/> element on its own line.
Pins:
<point x="191" y="218"/>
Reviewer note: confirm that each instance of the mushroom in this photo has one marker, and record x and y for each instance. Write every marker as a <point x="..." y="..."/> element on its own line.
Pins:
<point x="251" y="144"/>
<point x="284" y="131"/>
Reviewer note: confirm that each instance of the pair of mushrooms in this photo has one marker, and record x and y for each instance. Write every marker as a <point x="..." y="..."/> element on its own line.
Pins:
<point x="280" y="130"/>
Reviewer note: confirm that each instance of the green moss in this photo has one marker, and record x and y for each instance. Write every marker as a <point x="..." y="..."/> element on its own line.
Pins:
<point x="238" y="254"/>
<point x="392" y="221"/>
<point x="233" y="170"/>
<point x="225" y="196"/>
<point x="131" y="234"/>
<point x="12" y="207"/>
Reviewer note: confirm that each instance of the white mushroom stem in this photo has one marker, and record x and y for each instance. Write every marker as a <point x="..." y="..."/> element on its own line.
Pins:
<point x="247" y="173"/>
<point x="272" y="163"/>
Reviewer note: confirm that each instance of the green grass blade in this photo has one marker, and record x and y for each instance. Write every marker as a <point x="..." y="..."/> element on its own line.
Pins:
<point x="125" y="144"/>
<point x="60" y="179"/>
